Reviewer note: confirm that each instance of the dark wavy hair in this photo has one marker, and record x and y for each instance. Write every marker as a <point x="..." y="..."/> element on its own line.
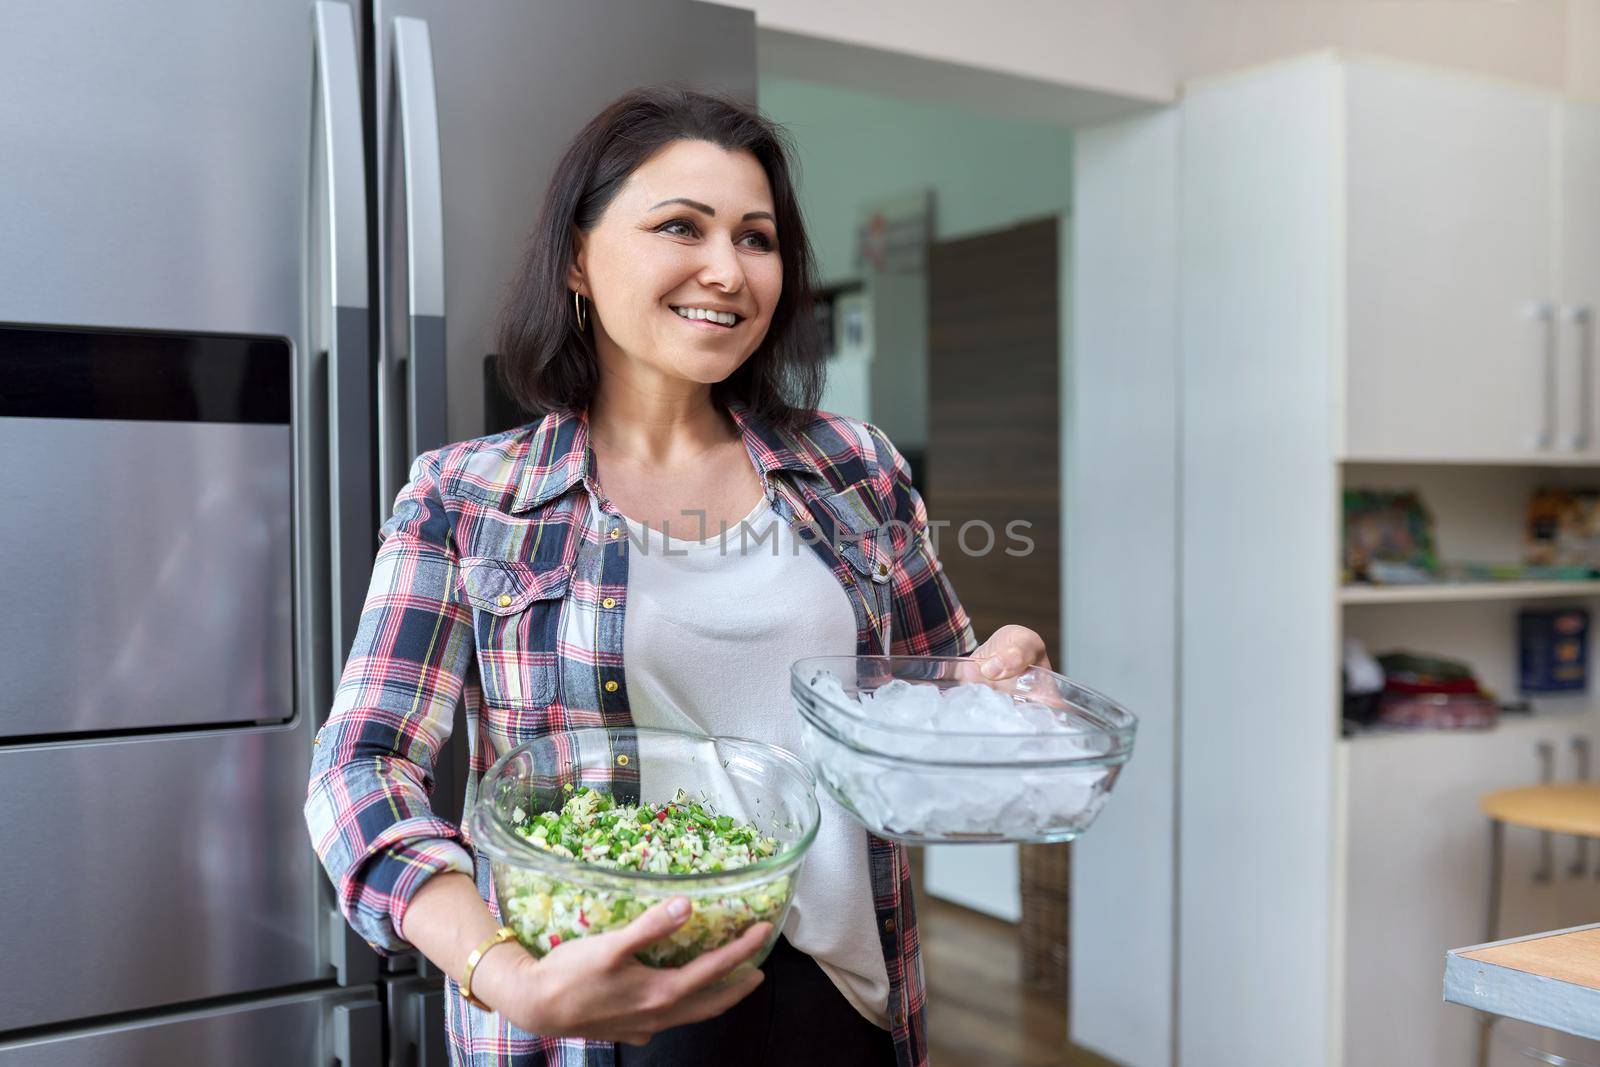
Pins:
<point x="546" y="362"/>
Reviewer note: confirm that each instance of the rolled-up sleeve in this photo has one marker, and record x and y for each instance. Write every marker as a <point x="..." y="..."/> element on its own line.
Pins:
<point x="928" y="618"/>
<point x="367" y="804"/>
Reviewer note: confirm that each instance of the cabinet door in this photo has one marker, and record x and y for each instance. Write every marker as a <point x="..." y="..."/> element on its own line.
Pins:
<point x="1578" y="241"/>
<point x="1451" y="324"/>
<point x="1416" y="876"/>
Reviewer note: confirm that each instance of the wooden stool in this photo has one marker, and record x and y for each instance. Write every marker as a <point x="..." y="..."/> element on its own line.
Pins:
<point x="1566" y="808"/>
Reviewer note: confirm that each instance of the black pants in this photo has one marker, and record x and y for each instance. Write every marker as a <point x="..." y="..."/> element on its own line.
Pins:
<point x="795" y="1018"/>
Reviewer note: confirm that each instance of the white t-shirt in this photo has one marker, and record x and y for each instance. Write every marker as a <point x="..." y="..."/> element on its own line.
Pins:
<point x="709" y="631"/>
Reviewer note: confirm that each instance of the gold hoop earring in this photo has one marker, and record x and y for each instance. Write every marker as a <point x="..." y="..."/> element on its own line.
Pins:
<point x="583" y="316"/>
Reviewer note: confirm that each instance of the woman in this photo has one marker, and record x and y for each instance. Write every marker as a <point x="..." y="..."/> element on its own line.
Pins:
<point x="561" y="575"/>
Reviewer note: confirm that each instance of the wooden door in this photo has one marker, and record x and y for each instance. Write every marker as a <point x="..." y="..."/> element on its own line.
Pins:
<point x="994" y="424"/>
<point x="993" y="462"/>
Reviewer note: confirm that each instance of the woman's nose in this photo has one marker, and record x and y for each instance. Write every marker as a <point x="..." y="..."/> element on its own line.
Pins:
<point x="722" y="267"/>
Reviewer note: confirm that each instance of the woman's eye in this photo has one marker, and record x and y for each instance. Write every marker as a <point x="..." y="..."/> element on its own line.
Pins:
<point x="685" y="228"/>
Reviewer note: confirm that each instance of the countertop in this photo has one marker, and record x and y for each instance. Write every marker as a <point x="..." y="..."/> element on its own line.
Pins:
<point x="1550" y="979"/>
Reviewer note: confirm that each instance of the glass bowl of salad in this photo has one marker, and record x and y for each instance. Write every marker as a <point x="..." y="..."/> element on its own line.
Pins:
<point x="585" y="829"/>
<point x="925" y="750"/>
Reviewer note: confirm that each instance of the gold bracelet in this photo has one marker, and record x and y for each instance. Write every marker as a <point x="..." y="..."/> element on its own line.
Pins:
<point x="505" y="933"/>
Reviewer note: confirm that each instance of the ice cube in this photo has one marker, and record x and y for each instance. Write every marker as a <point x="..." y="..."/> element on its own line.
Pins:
<point x="1038" y="717"/>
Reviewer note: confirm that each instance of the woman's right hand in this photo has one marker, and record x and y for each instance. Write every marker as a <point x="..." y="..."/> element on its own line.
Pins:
<point x="595" y="987"/>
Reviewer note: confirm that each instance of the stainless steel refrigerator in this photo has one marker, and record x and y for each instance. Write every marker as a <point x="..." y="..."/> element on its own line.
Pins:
<point x="250" y="258"/>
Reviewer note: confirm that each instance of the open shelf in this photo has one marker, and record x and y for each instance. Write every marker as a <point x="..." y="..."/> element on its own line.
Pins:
<point x="1460" y="591"/>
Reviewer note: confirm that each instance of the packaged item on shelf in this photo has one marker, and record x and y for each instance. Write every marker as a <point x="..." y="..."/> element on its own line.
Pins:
<point x="1414" y="672"/>
<point x="1438" y="711"/>
<point x="1431" y="692"/>
<point x="1388" y="537"/>
<point x="1553" y="650"/>
<point x="1564" y="528"/>
<point x="1363" y="682"/>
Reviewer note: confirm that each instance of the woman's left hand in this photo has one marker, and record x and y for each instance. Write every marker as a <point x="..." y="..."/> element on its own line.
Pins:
<point x="1010" y="651"/>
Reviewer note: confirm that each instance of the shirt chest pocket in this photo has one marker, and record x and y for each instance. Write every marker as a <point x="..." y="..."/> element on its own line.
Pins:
<point x="867" y="545"/>
<point x="516" y="619"/>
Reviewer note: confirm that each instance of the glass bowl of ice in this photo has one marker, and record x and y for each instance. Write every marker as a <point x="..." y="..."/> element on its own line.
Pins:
<point x="925" y="750"/>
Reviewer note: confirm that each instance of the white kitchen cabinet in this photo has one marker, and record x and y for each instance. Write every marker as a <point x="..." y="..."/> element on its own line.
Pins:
<point x="1449" y="266"/>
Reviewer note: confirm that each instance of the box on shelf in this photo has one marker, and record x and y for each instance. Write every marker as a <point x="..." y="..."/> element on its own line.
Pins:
<point x="1388" y="537"/>
<point x="1564" y="528"/>
<point x="1553" y="650"/>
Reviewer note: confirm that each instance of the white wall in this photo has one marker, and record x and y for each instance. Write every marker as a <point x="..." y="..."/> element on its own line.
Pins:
<point x="986" y="878"/>
<point x="854" y="147"/>
<point x="1551" y="43"/>
<point x="1120" y="464"/>
<point x="1543" y="42"/>
<point x="1146" y="49"/>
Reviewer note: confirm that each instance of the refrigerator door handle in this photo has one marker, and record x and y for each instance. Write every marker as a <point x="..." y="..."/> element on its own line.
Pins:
<point x="358" y="1035"/>
<point x="333" y="541"/>
<point x="430" y="1034"/>
<point x="422" y="373"/>
<point x="341" y="310"/>
<point x="353" y="962"/>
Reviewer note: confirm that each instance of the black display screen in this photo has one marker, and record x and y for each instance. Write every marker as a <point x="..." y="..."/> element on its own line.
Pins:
<point x="64" y="373"/>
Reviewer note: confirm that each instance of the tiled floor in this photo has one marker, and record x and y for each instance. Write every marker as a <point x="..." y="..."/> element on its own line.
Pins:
<point x="979" y="1013"/>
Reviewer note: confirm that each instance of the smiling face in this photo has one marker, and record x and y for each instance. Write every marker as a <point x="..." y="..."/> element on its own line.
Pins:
<point x="687" y="245"/>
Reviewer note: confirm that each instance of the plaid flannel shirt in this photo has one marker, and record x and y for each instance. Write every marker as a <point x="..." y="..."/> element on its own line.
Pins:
<point x="499" y="585"/>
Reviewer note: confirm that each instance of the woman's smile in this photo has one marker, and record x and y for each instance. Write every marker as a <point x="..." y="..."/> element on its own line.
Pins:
<point x="706" y="320"/>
